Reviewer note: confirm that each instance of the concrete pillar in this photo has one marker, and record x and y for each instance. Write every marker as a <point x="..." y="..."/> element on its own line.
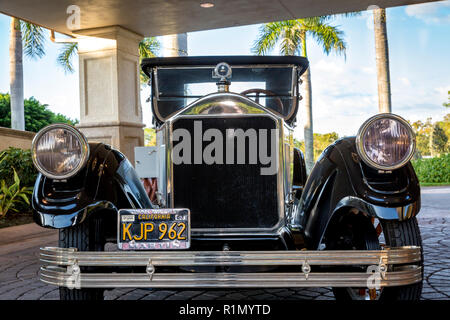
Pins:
<point x="175" y="45"/>
<point x="110" y="89"/>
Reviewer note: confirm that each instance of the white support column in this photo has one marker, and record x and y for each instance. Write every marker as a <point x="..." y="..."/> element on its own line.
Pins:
<point x="175" y="45"/>
<point x="110" y="89"/>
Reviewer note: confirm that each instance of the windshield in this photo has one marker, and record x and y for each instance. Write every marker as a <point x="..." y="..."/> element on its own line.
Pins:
<point x="177" y="87"/>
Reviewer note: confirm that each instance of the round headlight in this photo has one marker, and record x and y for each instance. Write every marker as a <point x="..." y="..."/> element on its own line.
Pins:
<point x="59" y="151"/>
<point x="386" y="141"/>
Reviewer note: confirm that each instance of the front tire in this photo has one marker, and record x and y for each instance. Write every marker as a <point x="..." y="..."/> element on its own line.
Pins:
<point x="86" y="236"/>
<point x="362" y="233"/>
<point x="397" y="234"/>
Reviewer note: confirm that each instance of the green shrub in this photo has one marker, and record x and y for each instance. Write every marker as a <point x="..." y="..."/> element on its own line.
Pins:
<point x="433" y="170"/>
<point x="19" y="160"/>
<point x="13" y="197"/>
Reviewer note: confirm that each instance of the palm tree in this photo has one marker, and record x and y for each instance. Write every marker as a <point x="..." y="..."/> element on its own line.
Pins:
<point x="292" y="36"/>
<point x="382" y="60"/>
<point x="29" y="39"/>
<point x="148" y="48"/>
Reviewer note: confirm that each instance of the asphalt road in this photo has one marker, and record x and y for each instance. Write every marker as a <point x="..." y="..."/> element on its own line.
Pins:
<point x="19" y="265"/>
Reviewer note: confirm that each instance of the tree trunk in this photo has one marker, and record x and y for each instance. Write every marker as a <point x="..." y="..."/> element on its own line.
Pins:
<point x="382" y="59"/>
<point x="431" y="143"/>
<point x="16" y="76"/>
<point x="308" y="127"/>
<point x="175" y="45"/>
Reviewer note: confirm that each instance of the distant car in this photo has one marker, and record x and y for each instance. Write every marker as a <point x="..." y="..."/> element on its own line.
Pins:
<point x="224" y="199"/>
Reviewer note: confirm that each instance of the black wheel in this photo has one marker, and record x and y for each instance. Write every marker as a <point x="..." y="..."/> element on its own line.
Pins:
<point x="87" y="236"/>
<point x="361" y="233"/>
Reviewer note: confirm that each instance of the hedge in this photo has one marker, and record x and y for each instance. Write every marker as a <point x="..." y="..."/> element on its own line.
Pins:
<point x="37" y="115"/>
<point x="433" y="170"/>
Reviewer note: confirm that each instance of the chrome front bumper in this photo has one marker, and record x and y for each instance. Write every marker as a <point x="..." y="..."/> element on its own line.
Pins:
<point x="62" y="268"/>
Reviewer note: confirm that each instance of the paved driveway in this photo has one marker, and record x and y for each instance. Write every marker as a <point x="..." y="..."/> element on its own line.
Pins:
<point x="19" y="250"/>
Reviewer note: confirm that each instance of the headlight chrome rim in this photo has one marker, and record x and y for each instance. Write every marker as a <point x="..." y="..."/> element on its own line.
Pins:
<point x="81" y="138"/>
<point x="360" y="141"/>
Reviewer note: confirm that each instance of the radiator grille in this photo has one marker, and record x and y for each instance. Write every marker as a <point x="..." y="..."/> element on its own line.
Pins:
<point x="226" y="196"/>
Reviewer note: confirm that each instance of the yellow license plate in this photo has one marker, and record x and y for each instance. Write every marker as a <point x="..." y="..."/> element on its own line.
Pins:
<point x="153" y="229"/>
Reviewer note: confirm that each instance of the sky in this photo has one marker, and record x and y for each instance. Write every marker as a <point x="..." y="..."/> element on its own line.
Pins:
<point x="344" y="90"/>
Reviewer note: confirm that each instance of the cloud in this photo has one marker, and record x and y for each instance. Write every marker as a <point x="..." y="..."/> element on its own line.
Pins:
<point x="436" y="12"/>
<point x="405" y="81"/>
<point x="416" y="101"/>
<point x="368" y="70"/>
<point x="443" y="91"/>
<point x="344" y="96"/>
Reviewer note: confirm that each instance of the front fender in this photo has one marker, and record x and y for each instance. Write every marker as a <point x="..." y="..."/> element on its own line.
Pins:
<point x="340" y="180"/>
<point x="108" y="183"/>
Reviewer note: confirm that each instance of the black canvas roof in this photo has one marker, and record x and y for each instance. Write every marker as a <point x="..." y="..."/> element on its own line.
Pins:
<point x="149" y="63"/>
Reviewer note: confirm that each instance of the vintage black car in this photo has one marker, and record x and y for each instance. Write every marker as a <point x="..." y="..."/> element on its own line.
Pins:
<point x="224" y="199"/>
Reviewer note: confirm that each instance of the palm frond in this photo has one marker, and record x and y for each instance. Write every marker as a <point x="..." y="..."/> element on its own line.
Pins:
<point x="65" y="55"/>
<point x="269" y="35"/>
<point x="296" y="34"/>
<point x="330" y="37"/>
<point x="350" y="14"/>
<point x="290" y="34"/>
<point x="33" y="40"/>
<point x="331" y="17"/>
<point x="149" y="48"/>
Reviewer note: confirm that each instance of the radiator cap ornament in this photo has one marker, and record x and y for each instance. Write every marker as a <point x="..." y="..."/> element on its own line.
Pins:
<point x="223" y="72"/>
